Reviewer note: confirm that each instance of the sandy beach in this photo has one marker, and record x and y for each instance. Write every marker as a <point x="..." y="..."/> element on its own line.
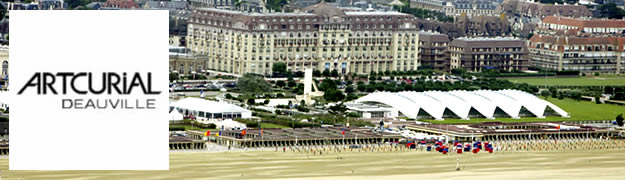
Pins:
<point x="586" y="164"/>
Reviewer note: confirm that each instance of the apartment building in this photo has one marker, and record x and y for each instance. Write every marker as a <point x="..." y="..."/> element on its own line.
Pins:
<point x="320" y="36"/>
<point x="585" y="54"/>
<point x="575" y="26"/>
<point x="433" y="50"/>
<point x="499" y="53"/>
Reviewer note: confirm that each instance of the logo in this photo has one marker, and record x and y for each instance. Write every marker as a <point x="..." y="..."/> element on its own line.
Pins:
<point x="97" y="103"/>
<point x="109" y="83"/>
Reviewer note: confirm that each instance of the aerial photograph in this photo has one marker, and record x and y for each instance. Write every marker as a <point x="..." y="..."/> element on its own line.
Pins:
<point x="378" y="89"/>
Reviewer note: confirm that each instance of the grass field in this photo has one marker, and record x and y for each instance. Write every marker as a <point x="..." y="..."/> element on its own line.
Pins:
<point x="605" y="80"/>
<point x="583" y="164"/>
<point x="189" y="127"/>
<point x="270" y="125"/>
<point x="578" y="110"/>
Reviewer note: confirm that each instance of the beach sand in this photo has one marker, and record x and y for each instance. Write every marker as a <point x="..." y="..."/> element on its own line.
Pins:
<point x="579" y="164"/>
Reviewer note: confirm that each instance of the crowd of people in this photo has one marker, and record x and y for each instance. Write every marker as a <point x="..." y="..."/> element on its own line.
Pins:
<point x="466" y="147"/>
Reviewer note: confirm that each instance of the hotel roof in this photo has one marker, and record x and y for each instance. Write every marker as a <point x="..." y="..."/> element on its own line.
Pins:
<point x="582" y="23"/>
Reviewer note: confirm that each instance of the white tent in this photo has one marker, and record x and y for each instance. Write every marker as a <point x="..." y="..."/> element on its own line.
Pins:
<point x="459" y="103"/>
<point x="206" y="109"/>
<point x="175" y="116"/>
<point x="227" y="124"/>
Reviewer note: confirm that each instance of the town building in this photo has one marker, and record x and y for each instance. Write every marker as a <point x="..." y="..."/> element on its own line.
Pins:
<point x="212" y="3"/>
<point x="471" y="8"/>
<point x="585" y="54"/>
<point x="121" y="4"/>
<point x="183" y="63"/>
<point x="432" y="51"/>
<point x="178" y="27"/>
<point x="21" y="6"/>
<point x="4" y="59"/>
<point x="168" y="5"/>
<point x="525" y="8"/>
<point x="499" y="53"/>
<point x="303" y="3"/>
<point x="52" y="4"/>
<point x="565" y="25"/>
<point x="320" y="37"/>
<point x="434" y="5"/>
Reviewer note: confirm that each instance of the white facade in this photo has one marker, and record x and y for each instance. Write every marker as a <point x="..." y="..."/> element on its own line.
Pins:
<point x="205" y="109"/>
<point x="464" y="104"/>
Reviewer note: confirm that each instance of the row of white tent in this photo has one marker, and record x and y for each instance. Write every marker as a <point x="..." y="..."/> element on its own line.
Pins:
<point x="460" y="103"/>
<point x="206" y="109"/>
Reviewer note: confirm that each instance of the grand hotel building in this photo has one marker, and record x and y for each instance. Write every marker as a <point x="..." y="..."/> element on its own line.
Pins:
<point x="319" y="36"/>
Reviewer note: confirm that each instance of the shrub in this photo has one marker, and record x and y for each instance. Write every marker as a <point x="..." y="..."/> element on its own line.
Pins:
<point x="177" y="128"/>
<point x="302" y="108"/>
<point x="353" y="114"/>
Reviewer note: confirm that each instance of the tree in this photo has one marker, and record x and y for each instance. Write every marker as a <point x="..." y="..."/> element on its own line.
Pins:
<point x="576" y="95"/>
<point x="361" y="87"/>
<point x="326" y="72"/>
<point x="280" y="84"/>
<point x="291" y="82"/>
<point x="279" y="68"/>
<point x="334" y="73"/>
<point x="173" y="76"/>
<point x="610" y="11"/>
<point x="251" y="101"/>
<point x="249" y="83"/>
<point x="327" y="84"/>
<point x="339" y="108"/>
<point x="619" y="96"/>
<point x="316" y="73"/>
<point x="351" y="97"/>
<point x="333" y="95"/>
<point x="545" y="94"/>
<point x="349" y="89"/>
<point x="3" y="11"/>
<point x="276" y="5"/>
<point x="302" y="108"/>
<point x="553" y="91"/>
<point x="619" y="120"/>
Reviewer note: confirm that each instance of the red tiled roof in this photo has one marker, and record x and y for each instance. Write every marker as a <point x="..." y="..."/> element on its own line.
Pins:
<point x="560" y="41"/>
<point x="603" y="23"/>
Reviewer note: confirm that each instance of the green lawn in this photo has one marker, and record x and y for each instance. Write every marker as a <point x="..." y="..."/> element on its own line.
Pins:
<point x="270" y="125"/>
<point x="188" y="127"/>
<point x="578" y="110"/>
<point x="604" y="80"/>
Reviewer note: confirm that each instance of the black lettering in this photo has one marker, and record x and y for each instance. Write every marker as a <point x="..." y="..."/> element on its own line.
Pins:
<point x="150" y="104"/>
<point x="78" y="104"/>
<point x="114" y="83"/>
<point x="34" y="81"/>
<point x="136" y="81"/>
<point x="90" y="104"/>
<point x="64" y="105"/>
<point x="74" y="85"/>
<point x="64" y="76"/>
<point x="47" y="84"/>
<point x="150" y="85"/>
<point x="124" y="84"/>
<point x="91" y="84"/>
